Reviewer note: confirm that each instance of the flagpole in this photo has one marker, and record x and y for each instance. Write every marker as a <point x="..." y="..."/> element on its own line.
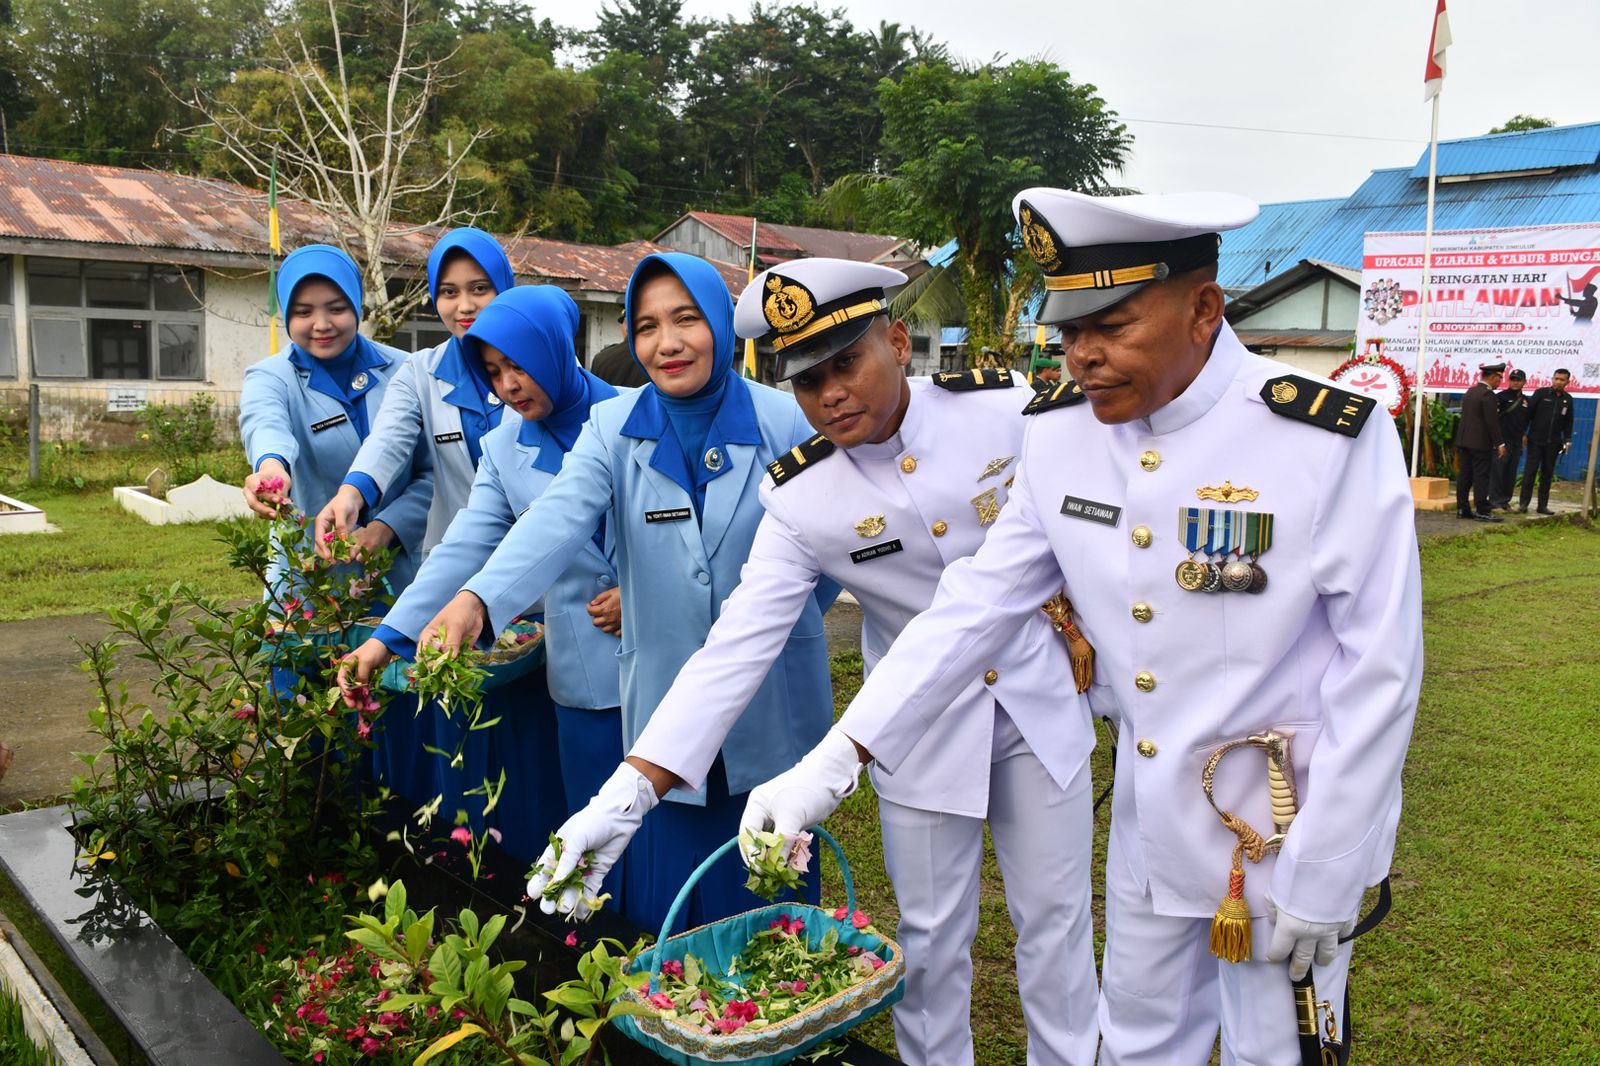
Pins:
<point x="275" y="244"/>
<point x="750" y="345"/>
<point x="1427" y="285"/>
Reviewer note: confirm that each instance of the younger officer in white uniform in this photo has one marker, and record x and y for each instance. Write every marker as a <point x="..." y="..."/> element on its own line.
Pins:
<point x="1186" y="442"/>
<point x="904" y="477"/>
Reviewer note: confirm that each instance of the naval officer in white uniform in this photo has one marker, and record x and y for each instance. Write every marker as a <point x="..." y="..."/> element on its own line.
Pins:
<point x="903" y="477"/>
<point x="1192" y="461"/>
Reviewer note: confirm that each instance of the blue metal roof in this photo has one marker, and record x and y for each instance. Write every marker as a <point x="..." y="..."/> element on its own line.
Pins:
<point x="1394" y="201"/>
<point x="1500" y="153"/>
<point x="1254" y="253"/>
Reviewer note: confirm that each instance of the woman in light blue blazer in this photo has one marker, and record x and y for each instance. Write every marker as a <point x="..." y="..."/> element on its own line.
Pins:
<point x="522" y="347"/>
<point x="435" y="401"/>
<point x="303" y="413"/>
<point x="678" y="464"/>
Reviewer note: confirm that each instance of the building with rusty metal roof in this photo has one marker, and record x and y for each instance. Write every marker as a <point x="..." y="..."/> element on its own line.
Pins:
<point x="727" y="238"/>
<point x="154" y="285"/>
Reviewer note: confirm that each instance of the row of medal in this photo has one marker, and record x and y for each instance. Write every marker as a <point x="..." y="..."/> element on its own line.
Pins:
<point x="1229" y="543"/>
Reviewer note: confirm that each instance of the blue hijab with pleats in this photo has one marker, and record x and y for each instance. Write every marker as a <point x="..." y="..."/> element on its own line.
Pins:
<point x="692" y="433"/>
<point x="342" y="377"/>
<point x="533" y="326"/>
<point x="454" y="367"/>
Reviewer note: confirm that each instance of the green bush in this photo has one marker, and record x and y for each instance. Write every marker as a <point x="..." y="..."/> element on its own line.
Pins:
<point x="182" y="434"/>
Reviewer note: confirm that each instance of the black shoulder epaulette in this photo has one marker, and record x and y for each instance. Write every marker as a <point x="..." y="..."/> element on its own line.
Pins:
<point x="798" y="459"/>
<point x="984" y="377"/>
<point x="1063" y="395"/>
<point x="1322" y="405"/>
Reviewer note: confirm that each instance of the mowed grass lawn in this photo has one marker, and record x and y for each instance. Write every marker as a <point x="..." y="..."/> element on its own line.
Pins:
<point x="1492" y="952"/>
<point x="103" y="557"/>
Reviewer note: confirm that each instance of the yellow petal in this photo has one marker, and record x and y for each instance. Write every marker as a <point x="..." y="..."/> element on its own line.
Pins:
<point x="233" y="869"/>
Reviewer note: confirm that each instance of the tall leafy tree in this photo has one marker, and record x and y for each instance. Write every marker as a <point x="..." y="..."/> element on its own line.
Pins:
<point x="107" y="78"/>
<point x="958" y="145"/>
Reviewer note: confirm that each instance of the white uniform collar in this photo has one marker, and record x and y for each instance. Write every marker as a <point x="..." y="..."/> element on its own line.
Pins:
<point x="1207" y="387"/>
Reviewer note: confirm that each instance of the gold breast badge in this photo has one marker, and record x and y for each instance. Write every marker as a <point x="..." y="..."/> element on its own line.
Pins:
<point x="871" y="525"/>
<point x="988" y="507"/>
<point x="1226" y="493"/>
<point x="995" y="467"/>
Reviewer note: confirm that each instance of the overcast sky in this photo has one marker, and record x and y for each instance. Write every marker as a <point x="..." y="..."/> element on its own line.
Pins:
<point x="1349" y="71"/>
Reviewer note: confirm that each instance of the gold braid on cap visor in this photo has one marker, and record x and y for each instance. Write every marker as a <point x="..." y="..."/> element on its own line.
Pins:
<point x="828" y="321"/>
<point x="1106" y="279"/>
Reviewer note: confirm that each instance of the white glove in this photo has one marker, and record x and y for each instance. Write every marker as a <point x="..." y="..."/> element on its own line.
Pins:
<point x="808" y="791"/>
<point x="604" y="826"/>
<point x="1301" y="941"/>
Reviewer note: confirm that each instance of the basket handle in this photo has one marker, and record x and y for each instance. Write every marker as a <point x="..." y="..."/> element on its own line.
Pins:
<point x="711" y="860"/>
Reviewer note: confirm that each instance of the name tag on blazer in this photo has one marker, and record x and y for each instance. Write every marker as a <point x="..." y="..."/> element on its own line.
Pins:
<point x="674" y="514"/>
<point x="329" y="423"/>
<point x="1104" y="513"/>
<point x="877" y="551"/>
<point x="447" y="438"/>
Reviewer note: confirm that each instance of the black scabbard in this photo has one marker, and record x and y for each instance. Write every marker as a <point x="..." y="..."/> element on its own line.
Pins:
<point x="1314" y="1049"/>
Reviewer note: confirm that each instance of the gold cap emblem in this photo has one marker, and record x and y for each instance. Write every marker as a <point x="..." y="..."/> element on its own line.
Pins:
<point x="1039" y="241"/>
<point x="789" y="304"/>
<point x="1284" y="392"/>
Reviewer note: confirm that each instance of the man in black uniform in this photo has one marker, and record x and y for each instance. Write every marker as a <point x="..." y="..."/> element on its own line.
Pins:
<point x="1549" y="433"/>
<point x="1513" y="404"/>
<point x="1478" y="442"/>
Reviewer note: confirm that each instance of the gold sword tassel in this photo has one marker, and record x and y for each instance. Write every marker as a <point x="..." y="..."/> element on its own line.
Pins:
<point x="1230" y="926"/>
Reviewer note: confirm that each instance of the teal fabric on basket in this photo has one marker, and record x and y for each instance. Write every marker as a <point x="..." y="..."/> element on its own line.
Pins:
<point x="717" y="944"/>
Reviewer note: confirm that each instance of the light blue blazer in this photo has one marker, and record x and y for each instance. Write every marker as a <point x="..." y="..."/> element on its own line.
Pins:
<point x="674" y="574"/>
<point x="279" y="414"/>
<point x="581" y="659"/>
<point x="422" y="408"/>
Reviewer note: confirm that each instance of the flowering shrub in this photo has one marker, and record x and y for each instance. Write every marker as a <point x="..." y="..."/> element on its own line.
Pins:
<point x="245" y="720"/>
<point x="402" y="993"/>
<point x="775" y="977"/>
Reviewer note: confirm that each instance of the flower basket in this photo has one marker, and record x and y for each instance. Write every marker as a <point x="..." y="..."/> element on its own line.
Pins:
<point x="678" y="1041"/>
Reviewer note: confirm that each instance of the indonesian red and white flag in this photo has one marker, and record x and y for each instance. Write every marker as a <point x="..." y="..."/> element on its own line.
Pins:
<point x="1433" y="78"/>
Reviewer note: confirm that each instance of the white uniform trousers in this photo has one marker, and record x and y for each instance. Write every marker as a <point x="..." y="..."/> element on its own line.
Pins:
<point x="1164" y="996"/>
<point x="1043" y="840"/>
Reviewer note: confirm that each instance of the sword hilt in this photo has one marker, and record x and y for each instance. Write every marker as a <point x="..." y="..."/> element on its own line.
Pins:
<point x="1280" y="781"/>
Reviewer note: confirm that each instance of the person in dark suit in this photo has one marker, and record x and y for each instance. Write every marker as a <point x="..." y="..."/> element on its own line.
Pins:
<point x="1549" y="434"/>
<point x="1479" y="441"/>
<point x="1513" y="405"/>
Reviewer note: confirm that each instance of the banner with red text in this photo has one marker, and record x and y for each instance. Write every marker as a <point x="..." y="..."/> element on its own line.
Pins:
<point x="1526" y="297"/>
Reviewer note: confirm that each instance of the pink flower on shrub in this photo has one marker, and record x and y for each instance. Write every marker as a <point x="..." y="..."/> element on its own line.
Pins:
<point x="363" y="729"/>
<point x="370" y="1046"/>
<point x="572" y="939"/>
<point x="673" y="968"/>
<point x="327" y="538"/>
<point x="462" y="835"/>
<point x="247" y="711"/>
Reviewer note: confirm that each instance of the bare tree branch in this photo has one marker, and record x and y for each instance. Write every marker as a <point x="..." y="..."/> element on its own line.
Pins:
<point x="354" y="162"/>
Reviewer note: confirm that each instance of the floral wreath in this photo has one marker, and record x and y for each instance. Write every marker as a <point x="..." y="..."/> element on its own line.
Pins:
<point x="1385" y="366"/>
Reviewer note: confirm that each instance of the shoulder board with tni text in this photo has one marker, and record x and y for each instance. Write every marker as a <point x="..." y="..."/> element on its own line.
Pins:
<point x="983" y="377"/>
<point x="1321" y="405"/>
<point x="1063" y="395"/>
<point x="798" y="459"/>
